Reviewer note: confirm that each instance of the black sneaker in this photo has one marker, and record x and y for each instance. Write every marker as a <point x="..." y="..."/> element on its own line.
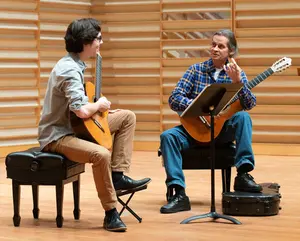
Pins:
<point x="114" y="223"/>
<point x="245" y="183"/>
<point x="176" y="204"/>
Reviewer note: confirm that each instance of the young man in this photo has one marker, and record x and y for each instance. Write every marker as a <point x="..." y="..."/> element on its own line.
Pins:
<point x="218" y="69"/>
<point x="65" y="93"/>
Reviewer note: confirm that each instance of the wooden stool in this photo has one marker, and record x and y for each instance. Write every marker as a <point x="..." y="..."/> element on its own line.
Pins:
<point x="35" y="168"/>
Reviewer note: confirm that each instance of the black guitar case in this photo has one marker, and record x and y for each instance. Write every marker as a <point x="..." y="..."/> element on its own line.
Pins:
<point x="265" y="203"/>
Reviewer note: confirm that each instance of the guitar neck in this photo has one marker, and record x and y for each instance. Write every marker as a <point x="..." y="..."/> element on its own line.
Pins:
<point x="252" y="83"/>
<point x="98" y="80"/>
<point x="259" y="78"/>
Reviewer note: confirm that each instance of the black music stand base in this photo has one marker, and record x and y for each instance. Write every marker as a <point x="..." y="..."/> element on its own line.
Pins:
<point x="213" y="215"/>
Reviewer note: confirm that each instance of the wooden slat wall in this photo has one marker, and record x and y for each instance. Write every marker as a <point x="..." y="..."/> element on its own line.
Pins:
<point x="19" y="96"/>
<point x="32" y="34"/>
<point x="55" y="16"/>
<point x="267" y="31"/>
<point x="147" y="47"/>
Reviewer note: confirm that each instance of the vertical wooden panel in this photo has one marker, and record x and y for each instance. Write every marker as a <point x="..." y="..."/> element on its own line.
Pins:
<point x="131" y="60"/>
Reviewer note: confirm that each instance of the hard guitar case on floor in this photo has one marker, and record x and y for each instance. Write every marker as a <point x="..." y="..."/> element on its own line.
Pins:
<point x="265" y="203"/>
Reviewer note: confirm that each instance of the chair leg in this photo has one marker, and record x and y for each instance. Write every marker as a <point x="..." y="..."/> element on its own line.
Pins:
<point x="228" y="178"/>
<point x="223" y="173"/>
<point x="59" y="204"/>
<point x="16" y="200"/>
<point x="76" y="195"/>
<point x="35" y="195"/>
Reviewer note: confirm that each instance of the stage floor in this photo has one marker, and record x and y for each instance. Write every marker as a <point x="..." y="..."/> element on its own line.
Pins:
<point x="156" y="226"/>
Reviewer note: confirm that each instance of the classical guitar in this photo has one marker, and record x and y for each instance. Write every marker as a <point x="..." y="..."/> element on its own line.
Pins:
<point x="95" y="128"/>
<point x="199" y="127"/>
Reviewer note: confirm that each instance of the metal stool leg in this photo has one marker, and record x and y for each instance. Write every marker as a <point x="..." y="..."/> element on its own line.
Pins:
<point x="125" y="206"/>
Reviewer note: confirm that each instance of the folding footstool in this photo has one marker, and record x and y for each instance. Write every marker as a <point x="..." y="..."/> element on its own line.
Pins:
<point x="125" y="204"/>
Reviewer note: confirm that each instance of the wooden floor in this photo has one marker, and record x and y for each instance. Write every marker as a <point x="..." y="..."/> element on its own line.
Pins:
<point x="155" y="226"/>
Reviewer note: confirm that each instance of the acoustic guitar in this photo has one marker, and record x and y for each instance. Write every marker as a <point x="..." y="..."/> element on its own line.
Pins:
<point x="199" y="127"/>
<point x="95" y="128"/>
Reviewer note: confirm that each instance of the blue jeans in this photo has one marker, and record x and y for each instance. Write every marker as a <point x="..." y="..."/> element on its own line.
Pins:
<point x="238" y="128"/>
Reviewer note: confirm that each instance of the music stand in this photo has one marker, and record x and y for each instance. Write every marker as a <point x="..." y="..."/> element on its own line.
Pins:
<point x="210" y="102"/>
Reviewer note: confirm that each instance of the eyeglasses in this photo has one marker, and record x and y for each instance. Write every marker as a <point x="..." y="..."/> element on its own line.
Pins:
<point x="99" y="38"/>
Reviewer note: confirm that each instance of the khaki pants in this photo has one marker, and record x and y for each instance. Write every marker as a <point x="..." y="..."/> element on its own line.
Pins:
<point x="122" y="125"/>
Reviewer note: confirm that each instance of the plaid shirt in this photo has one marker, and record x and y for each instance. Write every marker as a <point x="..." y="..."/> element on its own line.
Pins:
<point x="196" y="78"/>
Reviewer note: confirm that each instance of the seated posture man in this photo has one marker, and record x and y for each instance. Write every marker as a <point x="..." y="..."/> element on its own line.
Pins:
<point x="220" y="68"/>
<point x="65" y="93"/>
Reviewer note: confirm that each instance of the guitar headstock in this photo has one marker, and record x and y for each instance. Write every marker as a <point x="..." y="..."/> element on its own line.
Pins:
<point x="281" y="64"/>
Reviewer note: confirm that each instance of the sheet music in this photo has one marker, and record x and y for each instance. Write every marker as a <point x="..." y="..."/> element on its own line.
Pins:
<point x="218" y="95"/>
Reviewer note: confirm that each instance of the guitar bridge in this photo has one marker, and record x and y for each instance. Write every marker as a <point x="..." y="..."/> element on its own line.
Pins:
<point x="98" y="124"/>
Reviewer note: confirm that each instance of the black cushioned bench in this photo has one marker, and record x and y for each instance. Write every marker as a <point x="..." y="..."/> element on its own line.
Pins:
<point x="35" y="168"/>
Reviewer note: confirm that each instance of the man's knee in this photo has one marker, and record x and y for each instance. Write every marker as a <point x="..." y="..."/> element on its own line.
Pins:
<point x="131" y="117"/>
<point x="102" y="157"/>
<point x="243" y="116"/>
<point x="166" y="135"/>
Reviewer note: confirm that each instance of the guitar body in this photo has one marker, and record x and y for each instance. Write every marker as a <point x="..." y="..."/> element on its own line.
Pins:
<point x="94" y="129"/>
<point x="200" y="132"/>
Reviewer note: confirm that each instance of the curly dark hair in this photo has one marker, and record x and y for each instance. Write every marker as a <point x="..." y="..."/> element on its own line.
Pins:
<point x="80" y="32"/>
<point x="232" y="43"/>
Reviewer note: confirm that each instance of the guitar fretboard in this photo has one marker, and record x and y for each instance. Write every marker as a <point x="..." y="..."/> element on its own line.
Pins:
<point x="252" y="83"/>
<point x="98" y="76"/>
<point x="259" y="78"/>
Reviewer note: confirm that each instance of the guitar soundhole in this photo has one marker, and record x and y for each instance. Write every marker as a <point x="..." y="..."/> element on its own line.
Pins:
<point x="94" y="98"/>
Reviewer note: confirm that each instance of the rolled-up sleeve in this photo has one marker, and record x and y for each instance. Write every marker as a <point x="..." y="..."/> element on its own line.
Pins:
<point x="71" y="85"/>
